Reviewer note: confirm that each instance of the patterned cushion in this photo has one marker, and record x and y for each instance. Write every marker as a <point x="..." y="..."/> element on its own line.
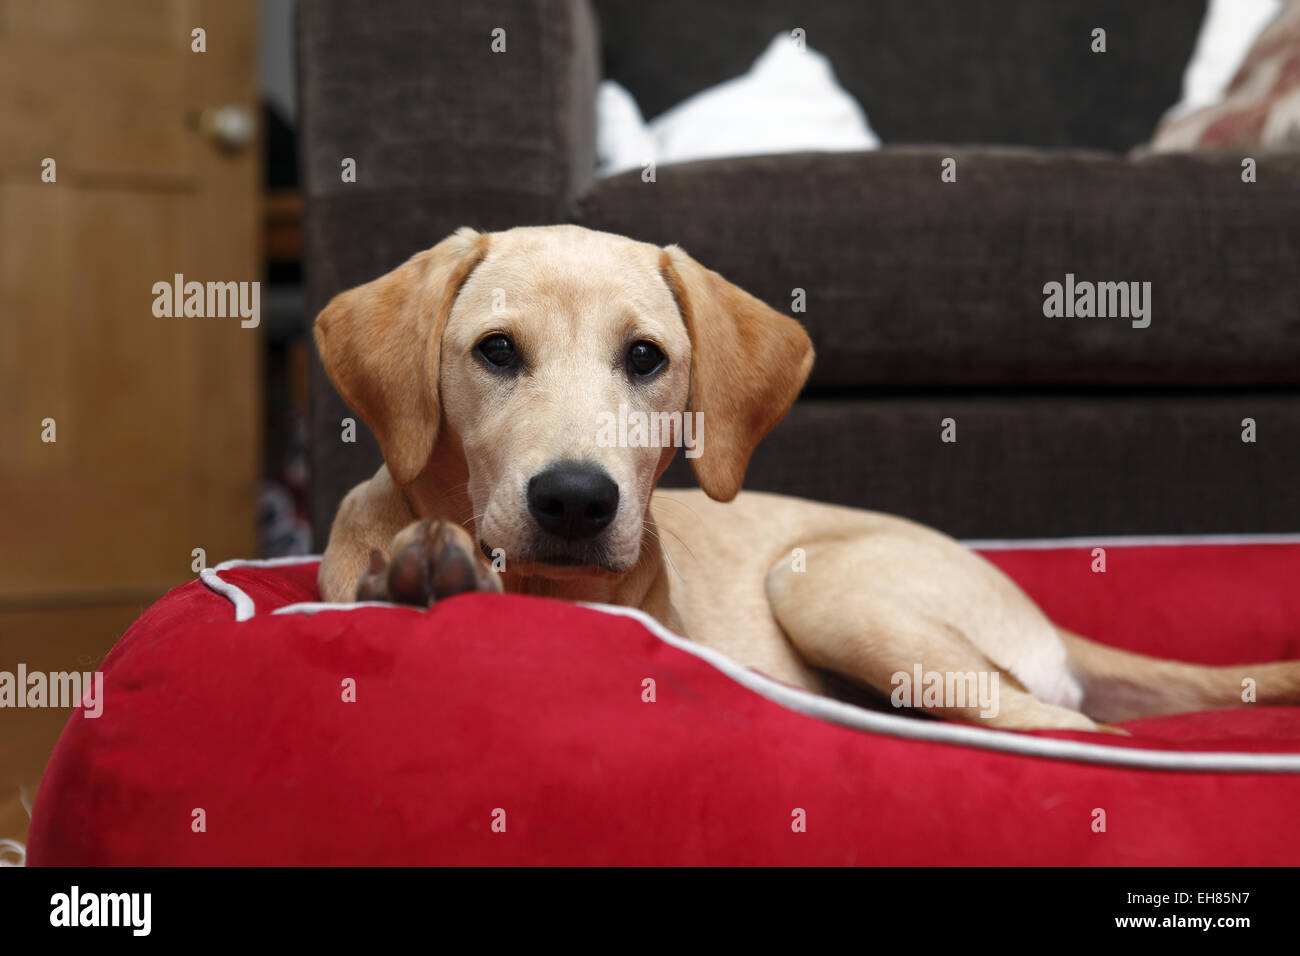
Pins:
<point x="1262" y="105"/>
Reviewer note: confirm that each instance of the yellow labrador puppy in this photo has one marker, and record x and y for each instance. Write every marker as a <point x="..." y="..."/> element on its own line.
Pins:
<point x="490" y="368"/>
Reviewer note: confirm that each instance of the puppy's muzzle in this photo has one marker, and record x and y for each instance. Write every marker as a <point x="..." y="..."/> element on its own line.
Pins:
<point x="573" y="502"/>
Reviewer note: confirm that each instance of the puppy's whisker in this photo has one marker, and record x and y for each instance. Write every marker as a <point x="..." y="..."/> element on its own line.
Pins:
<point x="453" y="491"/>
<point x="661" y="500"/>
<point x="650" y="529"/>
<point x="656" y="531"/>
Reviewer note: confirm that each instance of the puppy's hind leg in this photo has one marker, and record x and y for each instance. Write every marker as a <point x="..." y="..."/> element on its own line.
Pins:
<point x="879" y="636"/>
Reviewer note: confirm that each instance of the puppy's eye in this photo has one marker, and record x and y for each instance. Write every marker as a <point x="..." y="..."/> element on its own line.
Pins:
<point x="498" y="350"/>
<point x="644" y="358"/>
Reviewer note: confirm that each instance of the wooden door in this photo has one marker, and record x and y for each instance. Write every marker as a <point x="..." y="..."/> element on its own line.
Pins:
<point x="156" y="421"/>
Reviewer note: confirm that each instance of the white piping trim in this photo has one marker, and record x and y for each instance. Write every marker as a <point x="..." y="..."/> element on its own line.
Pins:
<point x="244" y="608"/>
<point x="315" y="607"/>
<point x="1127" y="541"/>
<point x="288" y="561"/>
<point x="838" y="712"/>
<point x="911" y="728"/>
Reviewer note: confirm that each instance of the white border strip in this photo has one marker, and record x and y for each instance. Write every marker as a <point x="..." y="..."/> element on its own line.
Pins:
<point x="913" y="728"/>
<point x="1128" y="541"/>
<point x="244" y="608"/>
<point x="838" y="712"/>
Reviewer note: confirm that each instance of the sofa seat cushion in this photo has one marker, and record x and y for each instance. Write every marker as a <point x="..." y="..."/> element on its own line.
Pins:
<point x="1041" y="463"/>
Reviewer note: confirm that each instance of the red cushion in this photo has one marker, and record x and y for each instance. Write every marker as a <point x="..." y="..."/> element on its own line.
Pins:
<point x="534" y="707"/>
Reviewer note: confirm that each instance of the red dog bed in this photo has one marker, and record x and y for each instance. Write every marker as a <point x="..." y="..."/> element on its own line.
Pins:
<point x="518" y="730"/>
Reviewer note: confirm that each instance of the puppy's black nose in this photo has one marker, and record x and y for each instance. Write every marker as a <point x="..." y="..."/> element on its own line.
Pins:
<point x="573" y="501"/>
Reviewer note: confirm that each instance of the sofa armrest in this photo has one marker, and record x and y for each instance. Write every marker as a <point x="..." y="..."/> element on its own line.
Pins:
<point x="416" y="93"/>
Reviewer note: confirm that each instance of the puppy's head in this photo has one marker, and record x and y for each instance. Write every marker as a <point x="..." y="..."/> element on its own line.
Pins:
<point x="560" y="368"/>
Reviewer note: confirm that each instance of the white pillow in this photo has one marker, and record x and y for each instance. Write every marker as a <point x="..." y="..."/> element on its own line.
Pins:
<point x="623" y="140"/>
<point x="1229" y="30"/>
<point x="788" y="102"/>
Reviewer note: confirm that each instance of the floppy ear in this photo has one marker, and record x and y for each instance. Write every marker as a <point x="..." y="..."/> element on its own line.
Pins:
<point x="380" y="344"/>
<point x="749" y="362"/>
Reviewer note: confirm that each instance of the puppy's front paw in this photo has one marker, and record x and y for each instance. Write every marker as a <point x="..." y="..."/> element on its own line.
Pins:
<point x="432" y="560"/>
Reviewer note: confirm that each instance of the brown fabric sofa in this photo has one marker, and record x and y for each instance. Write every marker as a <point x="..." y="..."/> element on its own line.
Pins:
<point x="924" y="298"/>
